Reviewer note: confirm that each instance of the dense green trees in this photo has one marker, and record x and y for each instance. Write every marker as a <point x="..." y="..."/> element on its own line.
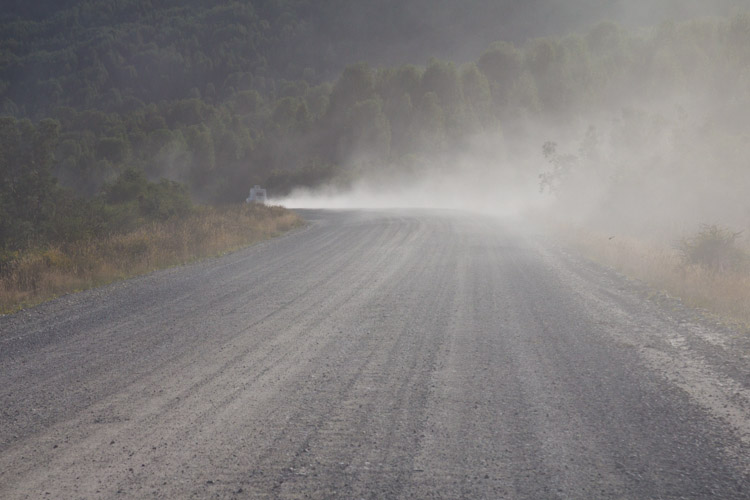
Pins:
<point x="222" y="95"/>
<point x="35" y="210"/>
<point x="27" y="208"/>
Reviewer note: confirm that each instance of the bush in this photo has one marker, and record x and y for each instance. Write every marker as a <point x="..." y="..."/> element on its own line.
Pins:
<point x="130" y="184"/>
<point x="8" y="261"/>
<point x="715" y="249"/>
<point x="132" y="197"/>
<point x="164" y="200"/>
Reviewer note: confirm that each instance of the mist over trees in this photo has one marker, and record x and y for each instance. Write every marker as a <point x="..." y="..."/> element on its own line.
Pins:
<point x="222" y="95"/>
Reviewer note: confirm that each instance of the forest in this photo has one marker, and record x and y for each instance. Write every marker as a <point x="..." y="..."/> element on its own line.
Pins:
<point x="119" y="110"/>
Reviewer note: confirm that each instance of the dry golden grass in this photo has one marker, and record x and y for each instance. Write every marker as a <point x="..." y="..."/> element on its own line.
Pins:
<point x="35" y="276"/>
<point x="724" y="294"/>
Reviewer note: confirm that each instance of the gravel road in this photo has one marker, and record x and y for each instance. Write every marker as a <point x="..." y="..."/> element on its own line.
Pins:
<point x="392" y="354"/>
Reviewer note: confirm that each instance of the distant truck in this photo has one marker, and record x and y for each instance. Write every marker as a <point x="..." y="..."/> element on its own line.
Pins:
<point x="257" y="195"/>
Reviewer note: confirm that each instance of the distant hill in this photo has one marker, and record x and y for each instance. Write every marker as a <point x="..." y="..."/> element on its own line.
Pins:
<point x="223" y="94"/>
<point x="156" y="49"/>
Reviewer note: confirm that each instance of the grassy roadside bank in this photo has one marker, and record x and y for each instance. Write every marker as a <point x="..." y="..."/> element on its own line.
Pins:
<point x="34" y="276"/>
<point x="726" y="294"/>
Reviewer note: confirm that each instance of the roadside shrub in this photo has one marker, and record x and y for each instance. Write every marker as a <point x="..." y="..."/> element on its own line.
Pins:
<point x="714" y="248"/>
<point x="8" y="261"/>
<point x="132" y="199"/>
<point x="164" y="200"/>
<point x="54" y="258"/>
<point x="128" y="186"/>
<point x="121" y="218"/>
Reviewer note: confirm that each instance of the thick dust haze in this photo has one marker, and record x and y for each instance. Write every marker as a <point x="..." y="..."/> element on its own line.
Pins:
<point x="484" y="178"/>
<point x="644" y="131"/>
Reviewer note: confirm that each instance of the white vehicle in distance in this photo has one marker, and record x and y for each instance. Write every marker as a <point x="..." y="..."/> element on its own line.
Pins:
<point x="257" y="195"/>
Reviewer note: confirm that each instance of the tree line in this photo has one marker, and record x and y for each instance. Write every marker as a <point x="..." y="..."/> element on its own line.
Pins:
<point x="205" y="95"/>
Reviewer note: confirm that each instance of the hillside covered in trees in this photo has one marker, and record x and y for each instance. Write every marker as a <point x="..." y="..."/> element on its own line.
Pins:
<point x="221" y="95"/>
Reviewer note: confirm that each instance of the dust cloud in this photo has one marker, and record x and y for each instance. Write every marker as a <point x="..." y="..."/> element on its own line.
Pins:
<point x="479" y="180"/>
<point x="657" y="145"/>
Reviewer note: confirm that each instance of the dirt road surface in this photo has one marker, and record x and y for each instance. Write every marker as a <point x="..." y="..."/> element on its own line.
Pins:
<point x="394" y="354"/>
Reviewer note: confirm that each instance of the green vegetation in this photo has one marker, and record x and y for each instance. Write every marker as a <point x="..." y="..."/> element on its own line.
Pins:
<point x="35" y="211"/>
<point x="223" y="95"/>
<point x="100" y="102"/>
<point x="32" y="275"/>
